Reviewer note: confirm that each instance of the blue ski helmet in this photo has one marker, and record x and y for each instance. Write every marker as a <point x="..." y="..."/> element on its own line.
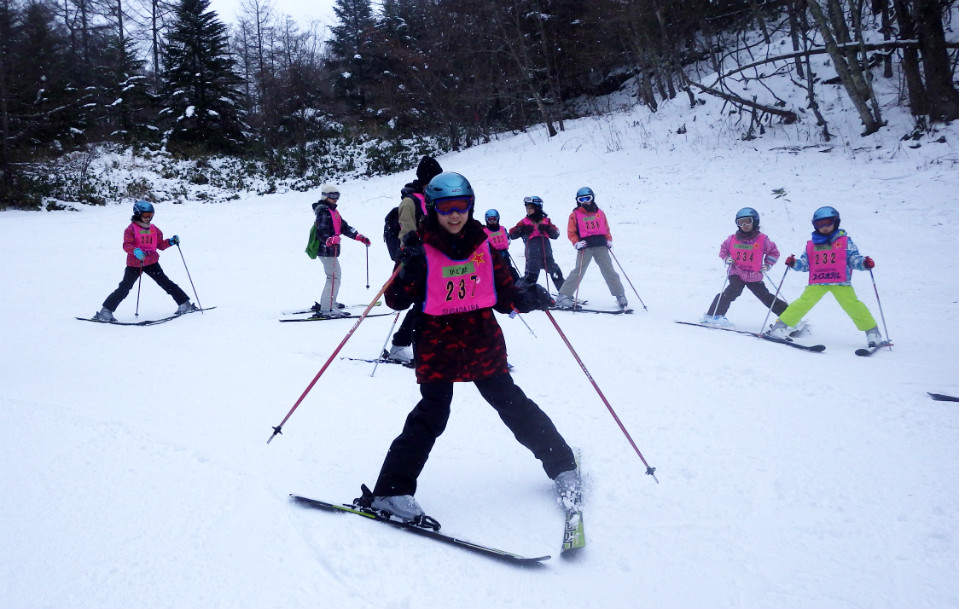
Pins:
<point x="491" y="214"/>
<point x="534" y="200"/>
<point x="447" y="185"/>
<point x="748" y="212"/>
<point x="586" y="191"/>
<point x="141" y="207"/>
<point x="824" y="213"/>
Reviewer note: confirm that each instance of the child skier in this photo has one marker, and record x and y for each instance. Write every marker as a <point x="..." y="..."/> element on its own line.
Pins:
<point x="829" y="258"/>
<point x="536" y="230"/>
<point x="499" y="240"/>
<point x="748" y="254"/>
<point x="141" y="241"/>
<point x="330" y="226"/>
<point x="451" y="275"/>
<point x="589" y="232"/>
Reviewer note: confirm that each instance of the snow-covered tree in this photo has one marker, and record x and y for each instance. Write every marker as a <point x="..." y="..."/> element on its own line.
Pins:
<point x="201" y="96"/>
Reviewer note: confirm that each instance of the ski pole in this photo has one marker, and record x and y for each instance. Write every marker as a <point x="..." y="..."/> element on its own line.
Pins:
<point x="576" y="295"/>
<point x="368" y="267"/>
<point x="193" y="287"/>
<point x="278" y="428"/>
<point x="385" y="341"/>
<point x="628" y="278"/>
<point x="139" y="281"/>
<point x="650" y="470"/>
<point x="879" y="306"/>
<point x="777" y="293"/>
<point x="770" y="281"/>
<point x="719" y="296"/>
<point x="543" y="256"/>
<point x="517" y="314"/>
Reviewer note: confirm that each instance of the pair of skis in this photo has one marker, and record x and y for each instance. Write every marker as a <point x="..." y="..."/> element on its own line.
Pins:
<point x="146" y="322"/>
<point x="812" y="348"/>
<point x="315" y="313"/>
<point x="573" y="535"/>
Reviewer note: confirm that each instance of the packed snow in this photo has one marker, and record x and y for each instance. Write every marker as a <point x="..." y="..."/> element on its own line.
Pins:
<point x="136" y="468"/>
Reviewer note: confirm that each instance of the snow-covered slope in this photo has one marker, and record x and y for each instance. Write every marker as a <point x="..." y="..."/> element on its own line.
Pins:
<point x="136" y="471"/>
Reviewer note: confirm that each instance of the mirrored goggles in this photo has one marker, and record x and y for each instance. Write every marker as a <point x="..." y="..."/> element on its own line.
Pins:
<point x="445" y="207"/>
<point x="823" y="222"/>
<point x="585" y="199"/>
<point x="742" y="222"/>
<point x="333" y="195"/>
<point x="147" y="215"/>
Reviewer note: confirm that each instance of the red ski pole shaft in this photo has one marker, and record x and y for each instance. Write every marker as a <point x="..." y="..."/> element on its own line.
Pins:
<point x="650" y="470"/>
<point x="278" y="428"/>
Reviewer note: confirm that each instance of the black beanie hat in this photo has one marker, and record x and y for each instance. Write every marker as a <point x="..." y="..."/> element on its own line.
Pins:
<point x="428" y="169"/>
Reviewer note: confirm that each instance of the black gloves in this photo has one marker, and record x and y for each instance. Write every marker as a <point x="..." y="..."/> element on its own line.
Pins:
<point x="530" y="297"/>
<point x="413" y="259"/>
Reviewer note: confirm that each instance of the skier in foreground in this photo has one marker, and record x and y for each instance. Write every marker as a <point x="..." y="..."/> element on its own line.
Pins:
<point x="450" y="273"/>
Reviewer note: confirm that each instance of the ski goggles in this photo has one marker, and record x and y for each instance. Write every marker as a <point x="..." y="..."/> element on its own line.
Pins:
<point x="333" y="195"/>
<point x="585" y="199"/>
<point x="147" y="215"/>
<point x="818" y="224"/>
<point x="741" y="222"/>
<point x="461" y="205"/>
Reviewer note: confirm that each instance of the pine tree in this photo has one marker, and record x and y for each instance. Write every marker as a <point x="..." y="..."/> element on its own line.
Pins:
<point x="201" y="94"/>
<point x="352" y="60"/>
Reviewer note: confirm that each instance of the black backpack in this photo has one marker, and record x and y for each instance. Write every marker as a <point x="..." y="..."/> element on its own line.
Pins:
<point x="391" y="232"/>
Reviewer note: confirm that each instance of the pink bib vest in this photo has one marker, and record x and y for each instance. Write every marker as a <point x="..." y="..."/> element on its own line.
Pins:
<point x="422" y="200"/>
<point x="748" y="256"/>
<point x="498" y="239"/>
<point x="459" y="286"/>
<point x="590" y="224"/>
<point x="336" y="221"/>
<point x="145" y="238"/>
<point x="828" y="261"/>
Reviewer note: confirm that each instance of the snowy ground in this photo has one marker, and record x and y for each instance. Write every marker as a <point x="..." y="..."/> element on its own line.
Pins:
<point x="136" y="471"/>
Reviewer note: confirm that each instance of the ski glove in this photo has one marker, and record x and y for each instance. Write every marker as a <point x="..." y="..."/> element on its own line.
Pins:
<point x="138" y="254"/>
<point x="531" y="297"/>
<point x="609" y="245"/>
<point x="791" y="260"/>
<point x="174" y="240"/>
<point x="868" y="263"/>
<point x="728" y="261"/>
<point x="765" y="268"/>
<point x="580" y="245"/>
<point x="331" y="241"/>
<point x="413" y="259"/>
<point x="363" y="239"/>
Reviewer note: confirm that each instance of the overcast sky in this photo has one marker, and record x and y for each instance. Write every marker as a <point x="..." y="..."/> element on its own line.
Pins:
<point x="303" y="12"/>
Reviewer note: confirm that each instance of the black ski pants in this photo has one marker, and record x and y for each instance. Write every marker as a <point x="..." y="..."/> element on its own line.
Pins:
<point x="130" y="276"/>
<point x="530" y="426"/>
<point x="535" y="265"/>
<point x="721" y="302"/>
